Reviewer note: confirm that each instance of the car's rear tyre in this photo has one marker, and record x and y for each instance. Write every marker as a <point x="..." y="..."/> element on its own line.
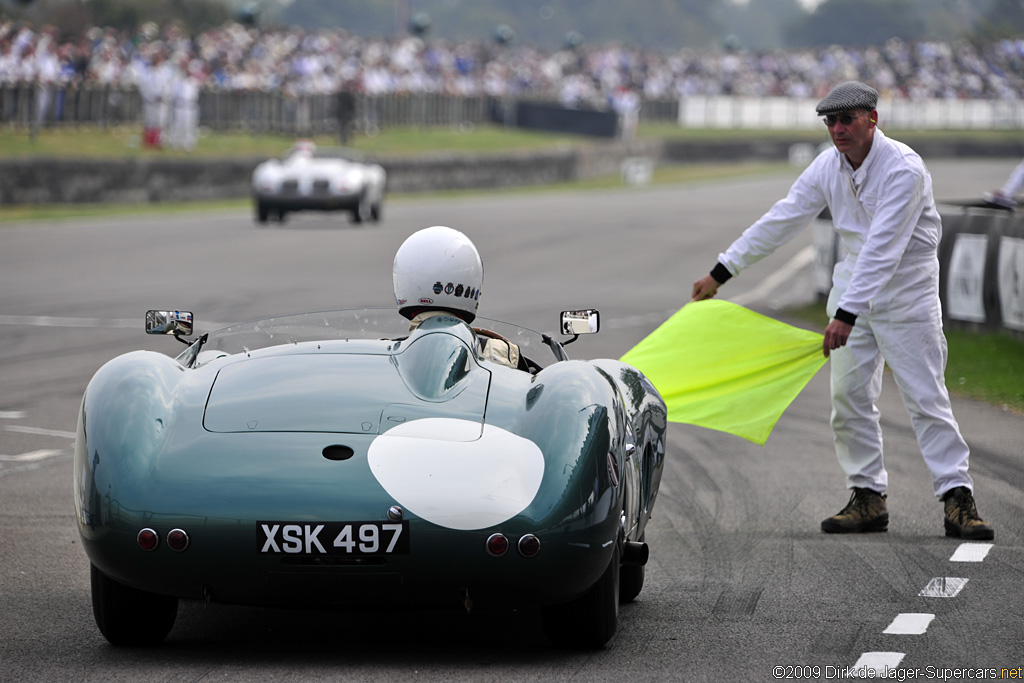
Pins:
<point x="362" y="212"/>
<point x="128" y="616"/>
<point x="262" y="212"/>
<point x="631" y="580"/>
<point x="590" y="620"/>
<point x="375" y="212"/>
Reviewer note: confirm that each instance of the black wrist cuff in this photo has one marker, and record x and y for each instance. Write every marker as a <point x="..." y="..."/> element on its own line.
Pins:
<point x="720" y="273"/>
<point x="846" y="317"/>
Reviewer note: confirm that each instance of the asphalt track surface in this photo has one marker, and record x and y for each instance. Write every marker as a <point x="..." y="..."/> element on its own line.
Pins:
<point x="741" y="585"/>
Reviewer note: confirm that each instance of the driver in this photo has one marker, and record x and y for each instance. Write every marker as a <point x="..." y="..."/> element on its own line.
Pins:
<point x="438" y="271"/>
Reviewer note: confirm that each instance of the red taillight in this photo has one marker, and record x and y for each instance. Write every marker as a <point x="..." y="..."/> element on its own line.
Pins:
<point x="529" y="545"/>
<point x="177" y="540"/>
<point x="497" y="545"/>
<point x="148" y="539"/>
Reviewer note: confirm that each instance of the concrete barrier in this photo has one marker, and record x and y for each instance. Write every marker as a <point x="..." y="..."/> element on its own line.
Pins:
<point x="142" y="180"/>
<point x="982" y="264"/>
<point x="139" y="180"/>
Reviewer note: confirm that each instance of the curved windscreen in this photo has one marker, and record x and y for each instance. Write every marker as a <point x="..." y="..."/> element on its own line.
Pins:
<point x="352" y="324"/>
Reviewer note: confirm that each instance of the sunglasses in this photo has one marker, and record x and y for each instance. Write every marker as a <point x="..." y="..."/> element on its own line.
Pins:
<point x="845" y="119"/>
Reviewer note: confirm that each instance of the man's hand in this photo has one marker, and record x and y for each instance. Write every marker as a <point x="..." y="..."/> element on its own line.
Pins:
<point x="836" y="335"/>
<point x="705" y="288"/>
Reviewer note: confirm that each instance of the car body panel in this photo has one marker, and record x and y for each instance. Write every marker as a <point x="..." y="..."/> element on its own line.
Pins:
<point x="259" y="454"/>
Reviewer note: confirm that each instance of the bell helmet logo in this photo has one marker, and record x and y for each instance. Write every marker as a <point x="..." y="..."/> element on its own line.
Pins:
<point x="426" y="300"/>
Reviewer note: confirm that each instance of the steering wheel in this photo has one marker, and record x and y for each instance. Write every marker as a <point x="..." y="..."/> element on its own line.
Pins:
<point x="483" y="332"/>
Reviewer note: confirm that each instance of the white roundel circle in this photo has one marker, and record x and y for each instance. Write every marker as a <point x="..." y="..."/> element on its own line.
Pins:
<point x="447" y="472"/>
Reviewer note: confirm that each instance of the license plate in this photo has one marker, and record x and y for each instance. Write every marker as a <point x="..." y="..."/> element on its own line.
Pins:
<point x="333" y="538"/>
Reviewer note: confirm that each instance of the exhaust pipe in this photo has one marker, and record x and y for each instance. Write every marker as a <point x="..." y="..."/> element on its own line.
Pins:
<point x="635" y="553"/>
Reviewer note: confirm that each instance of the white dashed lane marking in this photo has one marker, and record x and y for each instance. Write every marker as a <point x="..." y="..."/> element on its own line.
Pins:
<point x="790" y="269"/>
<point x="943" y="587"/>
<point x="41" y="432"/>
<point x="52" y="321"/>
<point x="801" y="260"/>
<point x="878" y="661"/>
<point x="971" y="552"/>
<point x="917" y="623"/>
<point x="30" y="457"/>
<point x="909" y="624"/>
<point x="21" y="462"/>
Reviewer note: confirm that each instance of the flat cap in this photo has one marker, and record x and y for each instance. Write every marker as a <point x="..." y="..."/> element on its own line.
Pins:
<point x="846" y="96"/>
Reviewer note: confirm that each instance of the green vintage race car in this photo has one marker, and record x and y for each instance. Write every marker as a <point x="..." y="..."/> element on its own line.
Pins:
<point x="338" y="459"/>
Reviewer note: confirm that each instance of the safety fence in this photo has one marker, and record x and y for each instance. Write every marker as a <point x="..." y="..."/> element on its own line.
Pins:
<point x="27" y="105"/>
<point x="788" y="113"/>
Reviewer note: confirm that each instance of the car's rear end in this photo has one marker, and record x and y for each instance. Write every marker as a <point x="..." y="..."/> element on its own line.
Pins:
<point x="359" y="473"/>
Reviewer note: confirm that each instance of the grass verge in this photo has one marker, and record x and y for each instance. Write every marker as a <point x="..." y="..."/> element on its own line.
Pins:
<point x="125" y="142"/>
<point x="986" y="366"/>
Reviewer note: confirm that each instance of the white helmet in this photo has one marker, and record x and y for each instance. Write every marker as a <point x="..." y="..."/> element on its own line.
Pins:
<point x="304" y="148"/>
<point x="438" y="269"/>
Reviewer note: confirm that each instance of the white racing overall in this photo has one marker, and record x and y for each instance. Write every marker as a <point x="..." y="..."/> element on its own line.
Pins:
<point x="885" y="215"/>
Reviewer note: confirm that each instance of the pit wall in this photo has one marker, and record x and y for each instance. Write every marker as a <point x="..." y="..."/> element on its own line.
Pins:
<point x="982" y="268"/>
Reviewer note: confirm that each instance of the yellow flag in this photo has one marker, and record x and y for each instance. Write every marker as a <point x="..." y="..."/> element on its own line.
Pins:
<point x="725" y="367"/>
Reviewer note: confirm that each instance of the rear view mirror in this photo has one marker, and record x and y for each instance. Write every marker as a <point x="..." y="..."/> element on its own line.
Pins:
<point x="178" y="323"/>
<point x="587" y="321"/>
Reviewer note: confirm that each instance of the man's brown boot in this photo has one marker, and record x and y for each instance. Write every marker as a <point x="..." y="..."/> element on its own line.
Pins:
<point x="866" y="511"/>
<point x="962" y="518"/>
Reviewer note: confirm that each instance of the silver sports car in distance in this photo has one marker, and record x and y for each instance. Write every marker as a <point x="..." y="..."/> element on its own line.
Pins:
<point x="312" y="178"/>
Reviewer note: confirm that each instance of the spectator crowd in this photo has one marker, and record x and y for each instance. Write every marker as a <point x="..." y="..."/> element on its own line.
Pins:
<point x="170" y="67"/>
